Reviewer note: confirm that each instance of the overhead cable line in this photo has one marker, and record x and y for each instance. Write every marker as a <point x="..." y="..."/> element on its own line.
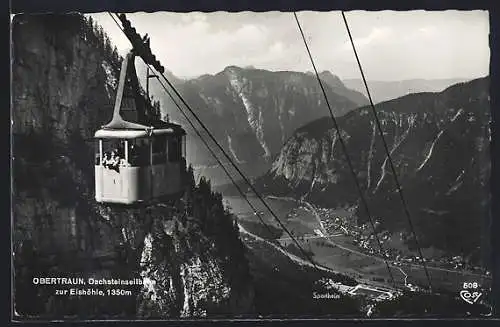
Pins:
<point x="203" y="140"/>
<point x="219" y="146"/>
<point x="391" y="163"/>
<point x="240" y="191"/>
<point x="214" y="155"/>
<point x="344" y="150"/>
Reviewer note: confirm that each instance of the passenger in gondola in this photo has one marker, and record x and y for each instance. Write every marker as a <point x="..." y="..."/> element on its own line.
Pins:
<point x="120" y="155"/>
<point x="124" y="163"/>
<point x="114" y="161"/>
<point x="105" y="160"/>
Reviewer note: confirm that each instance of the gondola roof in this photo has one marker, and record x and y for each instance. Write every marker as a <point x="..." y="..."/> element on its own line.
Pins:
<point x="124" y="129"/>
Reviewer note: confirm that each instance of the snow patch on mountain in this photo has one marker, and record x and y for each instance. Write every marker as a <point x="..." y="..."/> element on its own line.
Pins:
<point x="429" y="153"/>
<point x="231" y="149"/>
<point x="254" y="116"/>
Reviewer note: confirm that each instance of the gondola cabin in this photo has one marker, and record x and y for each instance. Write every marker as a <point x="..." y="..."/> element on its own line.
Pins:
<point x="132" y="166"/>
<point x="137" y="162"/>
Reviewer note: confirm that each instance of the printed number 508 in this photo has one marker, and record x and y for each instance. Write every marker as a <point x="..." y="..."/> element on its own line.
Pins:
<point x="470" y="285"/>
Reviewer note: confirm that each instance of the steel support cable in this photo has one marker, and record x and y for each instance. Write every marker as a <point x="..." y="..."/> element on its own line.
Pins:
<point x="239" y="171"/>
<point x="391" y="163"/>
<point x="214" y="155"/>
<point x="224" y="153"/>
<point x="344" y="150"/>
<point x="254" y="210"/>
<point x="208" y="147"/>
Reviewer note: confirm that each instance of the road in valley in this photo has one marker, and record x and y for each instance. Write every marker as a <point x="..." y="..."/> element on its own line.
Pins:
<point x="328" y="238"/>
<point x="403" y="271"/>
<point x="363" y="283"/>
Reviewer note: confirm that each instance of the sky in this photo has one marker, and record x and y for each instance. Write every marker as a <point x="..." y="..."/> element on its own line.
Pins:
<point x="391" y="45"/>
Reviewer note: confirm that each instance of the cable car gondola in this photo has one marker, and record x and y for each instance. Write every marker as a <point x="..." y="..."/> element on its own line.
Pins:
<point x="141" y="159"/>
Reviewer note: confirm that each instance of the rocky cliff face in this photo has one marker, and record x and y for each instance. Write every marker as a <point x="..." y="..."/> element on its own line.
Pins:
<point x="439" y="143"/>
<point x="64" y="81"/>
<point x="252" y="112"/>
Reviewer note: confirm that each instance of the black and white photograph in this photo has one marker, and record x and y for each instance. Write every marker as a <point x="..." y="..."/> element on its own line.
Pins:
<point x="251" y="165"/>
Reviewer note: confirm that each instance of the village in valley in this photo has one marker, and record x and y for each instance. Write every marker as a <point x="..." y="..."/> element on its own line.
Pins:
<point x="364" y="239"/>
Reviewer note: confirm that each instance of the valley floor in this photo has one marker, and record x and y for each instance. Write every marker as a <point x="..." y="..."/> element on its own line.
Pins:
<point x="336" y="250"/>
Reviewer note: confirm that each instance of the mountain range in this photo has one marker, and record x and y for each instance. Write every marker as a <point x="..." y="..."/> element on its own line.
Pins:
<point x="191" y="258"/>
<point x="252" y="112"/>
<point x="439" y="143"/>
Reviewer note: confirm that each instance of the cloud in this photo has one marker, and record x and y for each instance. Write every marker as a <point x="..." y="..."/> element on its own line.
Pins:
<point x="191" y="46"/>
<point x="377" y="36"/>
<point x="192" y="17"/>
<point x="277" y="48"/>
<point x="391" y="45"/>
<point x="427" y="30"/>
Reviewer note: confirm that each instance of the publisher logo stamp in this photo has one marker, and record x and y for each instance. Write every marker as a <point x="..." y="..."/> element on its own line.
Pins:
<point x="470" y="292"/>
